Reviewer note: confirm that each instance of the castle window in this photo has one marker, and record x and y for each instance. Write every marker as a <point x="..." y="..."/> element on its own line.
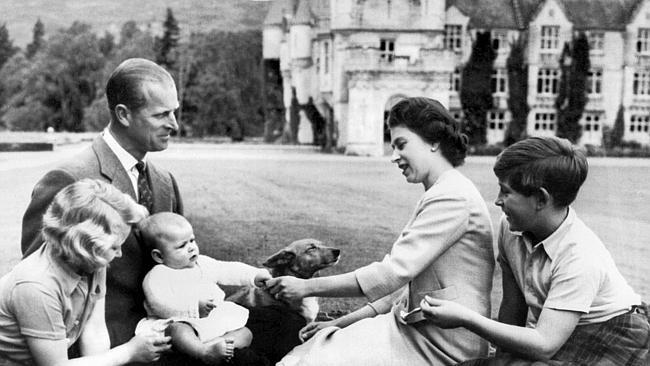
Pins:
<point x="594" y="82"/>
<point x="643" y="40"/>
<point x="544" y="121"/>
<point x="550" y="37"/>
<point x="499" y="81"/>
<point x="639" y="123"/>
<point x="641" y="83"/>
<point x="496" y="120"/>
<point x="499" y="40"/>
<point x="547" y="81"/>
<point x="326" y="57"/>
<point x="453" y="37"/>
<point x="591" y="121"/>
<point x="454" y="83"/>
<point x="596" y="41"/>
<point x="387" y="50"/>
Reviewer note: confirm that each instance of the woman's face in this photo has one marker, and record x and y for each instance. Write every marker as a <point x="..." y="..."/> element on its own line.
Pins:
<point x="412" y="155"/>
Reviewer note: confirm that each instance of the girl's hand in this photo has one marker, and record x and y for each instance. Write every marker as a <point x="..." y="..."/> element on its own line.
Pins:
<point x="312" y="328"/>
<point x="286" y="288"/>
<point x="443" y="313"/>
<point x="148" y="347"/>
<point x="205" y="307"/>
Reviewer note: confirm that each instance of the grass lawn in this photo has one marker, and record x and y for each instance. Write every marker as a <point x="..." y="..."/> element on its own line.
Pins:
<point x="245" y="206"/>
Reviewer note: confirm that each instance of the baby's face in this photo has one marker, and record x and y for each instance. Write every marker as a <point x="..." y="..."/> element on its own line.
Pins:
<point x="178" y="248"/>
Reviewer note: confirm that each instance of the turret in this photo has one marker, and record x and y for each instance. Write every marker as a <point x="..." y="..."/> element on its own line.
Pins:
<point x="272" y="31"/>
<point x="300" y="32"/>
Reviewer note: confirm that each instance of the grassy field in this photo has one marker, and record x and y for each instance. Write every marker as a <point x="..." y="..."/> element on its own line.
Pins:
<point x="246" y="202"/>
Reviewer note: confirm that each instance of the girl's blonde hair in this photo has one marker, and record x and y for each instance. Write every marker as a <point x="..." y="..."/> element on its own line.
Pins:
<point x="82" y="222"/>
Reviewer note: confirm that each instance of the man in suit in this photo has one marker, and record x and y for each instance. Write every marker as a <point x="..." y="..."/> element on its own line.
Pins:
<point x="142" y="99"/>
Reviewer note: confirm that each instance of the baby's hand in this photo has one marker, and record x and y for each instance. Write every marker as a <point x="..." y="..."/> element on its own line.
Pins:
<point x="205" y="307"/>
<point x="261" y="278"/>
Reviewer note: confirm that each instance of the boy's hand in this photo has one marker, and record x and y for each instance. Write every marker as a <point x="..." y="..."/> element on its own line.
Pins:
<point x="261" y="278"/>
<point x="205" y="307"/>
<point x="443" y="313"/>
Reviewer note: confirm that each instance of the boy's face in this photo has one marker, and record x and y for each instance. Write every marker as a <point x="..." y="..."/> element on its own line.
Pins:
<point x="178" y="248"/>
<point x="520" y="210"/>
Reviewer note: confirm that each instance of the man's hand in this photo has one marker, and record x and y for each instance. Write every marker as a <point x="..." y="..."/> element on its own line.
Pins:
<point x="261" y="278"/>
<point x="287" y="288"/>
<point x="443" y="313"/>
<point x="205" y="307"/>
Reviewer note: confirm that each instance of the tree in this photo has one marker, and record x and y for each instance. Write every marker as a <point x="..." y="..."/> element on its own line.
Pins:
<point x="572" y="98"/>
<point x="107" y="44"/>
<point x="37" y="39"/>
<point x="614" y="136"/>
<point x="222" y="94"/>
<point x="70" y="69"/>
<point x="517" y="92"/>
<point x="7" y="48"/>
<point x="476" y="91"/>
<point x="168" y="42"/>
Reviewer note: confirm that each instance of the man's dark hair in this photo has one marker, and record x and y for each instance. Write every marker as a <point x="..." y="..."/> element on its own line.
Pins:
<point x="543" y="162"/>
<point x="431" y="121"/>
<point x="124" y="86"/>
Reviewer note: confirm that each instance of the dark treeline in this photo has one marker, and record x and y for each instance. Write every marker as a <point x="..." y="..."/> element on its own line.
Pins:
<point x="58" y="79"/>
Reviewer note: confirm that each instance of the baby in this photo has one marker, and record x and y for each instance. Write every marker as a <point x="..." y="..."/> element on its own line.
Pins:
<point x="182" y="294"/>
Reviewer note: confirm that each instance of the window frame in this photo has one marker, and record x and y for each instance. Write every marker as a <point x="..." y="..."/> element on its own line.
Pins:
<point x="550" y="38"/>
<point x="453" y="37"/>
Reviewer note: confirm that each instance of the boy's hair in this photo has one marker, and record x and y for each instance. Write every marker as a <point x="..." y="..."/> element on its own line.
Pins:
<point x="549" y="162"/>
<point x="81" y="218"/>
<point x="431" y="121"/>
<point x="158" y="226"/>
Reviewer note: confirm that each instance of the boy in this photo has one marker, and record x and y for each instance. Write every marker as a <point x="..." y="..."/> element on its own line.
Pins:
<point x="184" y="287"/>
<point x="563" y="297"/>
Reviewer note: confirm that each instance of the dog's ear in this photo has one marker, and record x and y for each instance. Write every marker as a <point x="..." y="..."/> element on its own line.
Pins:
<point x="280" y="259"/>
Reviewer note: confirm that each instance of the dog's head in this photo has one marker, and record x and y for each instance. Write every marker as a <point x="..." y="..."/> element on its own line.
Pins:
<point x="302" y="259"/>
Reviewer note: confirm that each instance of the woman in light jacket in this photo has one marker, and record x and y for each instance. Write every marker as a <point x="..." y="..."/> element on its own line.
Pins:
<point x="445" y="251"/>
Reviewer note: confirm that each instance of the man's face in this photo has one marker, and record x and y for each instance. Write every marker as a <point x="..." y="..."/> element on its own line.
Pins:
<point x="150" y="126"/>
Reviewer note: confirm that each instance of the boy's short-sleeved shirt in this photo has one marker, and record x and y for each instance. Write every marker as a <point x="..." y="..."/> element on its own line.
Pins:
<point x="43" y="298"/>
<point x="570" y="270"/>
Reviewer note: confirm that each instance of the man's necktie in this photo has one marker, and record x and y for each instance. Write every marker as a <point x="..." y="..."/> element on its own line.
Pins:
<point x="145" y="196"/>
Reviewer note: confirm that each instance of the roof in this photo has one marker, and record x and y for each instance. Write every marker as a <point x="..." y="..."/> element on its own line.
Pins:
<point x="487" y="14"/>
<point x="303" y="13"/>
<point x="275" y="14"/>
<point x="595" y="14"/>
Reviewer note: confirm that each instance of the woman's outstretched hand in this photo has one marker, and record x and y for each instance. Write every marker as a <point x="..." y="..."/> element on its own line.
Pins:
<point x="443" y="313"/>
<point x="287" y="288"/>
<point x="312" y="328"/>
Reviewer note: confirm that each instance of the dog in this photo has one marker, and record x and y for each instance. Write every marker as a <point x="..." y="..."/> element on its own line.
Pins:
<point x="302" y="259"/>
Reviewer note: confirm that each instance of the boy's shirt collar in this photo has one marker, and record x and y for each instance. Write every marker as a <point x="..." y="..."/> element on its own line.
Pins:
<point x="552" y="243"/>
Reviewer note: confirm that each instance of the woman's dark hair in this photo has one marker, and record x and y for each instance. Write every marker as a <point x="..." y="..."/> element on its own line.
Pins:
<point x="431" y="121"/>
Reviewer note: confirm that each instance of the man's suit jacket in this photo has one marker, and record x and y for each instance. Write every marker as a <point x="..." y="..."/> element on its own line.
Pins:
<point x="124" y="296"/>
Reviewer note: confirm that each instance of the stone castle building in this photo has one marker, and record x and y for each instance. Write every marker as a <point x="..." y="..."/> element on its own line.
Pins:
<point x="353" y="59"/>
